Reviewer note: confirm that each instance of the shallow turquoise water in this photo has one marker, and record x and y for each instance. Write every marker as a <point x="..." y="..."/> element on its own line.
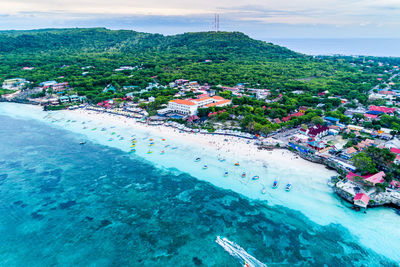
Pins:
<point x="71" y="205"/>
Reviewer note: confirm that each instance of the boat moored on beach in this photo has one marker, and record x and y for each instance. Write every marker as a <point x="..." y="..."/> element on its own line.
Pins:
<point x="275" y="184"/>
<point x="288" y="187"/>
<point x="263" y="190"/>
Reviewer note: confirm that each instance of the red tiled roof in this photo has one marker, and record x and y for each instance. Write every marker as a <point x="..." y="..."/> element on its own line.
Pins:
<point x="395" y="150"/>
<point x="385" y="92"/>
<point x="363" y="197"/>
<point x="351" y="150"/>
<point x="382" y="109"/>
<point x="376" y="178"/>
<point x="183" y="102"/>
<point x="217" y="97"/>
<point x="287" y="118"/>
<point x="395" y="183"/>
<point x="217" y="103"/>
<point x="202" y="99"/>
<point x="371" y="116"/>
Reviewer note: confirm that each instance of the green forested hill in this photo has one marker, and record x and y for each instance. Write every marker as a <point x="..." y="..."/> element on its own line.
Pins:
<point x="215" y="45"/>
<point x="60" y="54"/>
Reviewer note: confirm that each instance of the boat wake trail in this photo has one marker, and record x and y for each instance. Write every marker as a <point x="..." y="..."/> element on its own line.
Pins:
<point x="238" y="252"/>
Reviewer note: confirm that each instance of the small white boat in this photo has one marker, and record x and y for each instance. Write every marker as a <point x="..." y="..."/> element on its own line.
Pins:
<point x="263" y="190"/>
<point x="288" y="187"/>
<point x="275" y="184"/>
<point x="255" y="177"/>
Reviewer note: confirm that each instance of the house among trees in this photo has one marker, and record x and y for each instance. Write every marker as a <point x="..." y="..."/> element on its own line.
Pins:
<point x="316" y="131"/>
<point x="109" y="88"/>
<point x="377" y="178"/>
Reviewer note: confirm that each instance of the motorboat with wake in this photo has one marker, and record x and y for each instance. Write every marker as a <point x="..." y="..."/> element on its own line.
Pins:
<point x="238" y="252"/>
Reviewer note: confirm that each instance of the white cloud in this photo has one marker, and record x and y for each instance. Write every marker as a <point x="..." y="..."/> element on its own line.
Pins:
<point x="333" y="13"/>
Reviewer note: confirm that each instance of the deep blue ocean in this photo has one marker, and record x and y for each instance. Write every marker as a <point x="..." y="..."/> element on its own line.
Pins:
<point x="357" y="46"/>
<point x="65" y="204"/>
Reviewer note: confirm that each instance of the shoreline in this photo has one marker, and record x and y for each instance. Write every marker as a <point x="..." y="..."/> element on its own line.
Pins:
<point x="269" y="147"/>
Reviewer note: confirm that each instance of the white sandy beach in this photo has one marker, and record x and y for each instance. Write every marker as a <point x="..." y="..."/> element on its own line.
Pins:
<point x="232" y="147"/>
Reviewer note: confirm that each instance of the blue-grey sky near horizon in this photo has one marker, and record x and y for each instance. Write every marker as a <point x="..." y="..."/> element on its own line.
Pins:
<point x="265" y="20"/>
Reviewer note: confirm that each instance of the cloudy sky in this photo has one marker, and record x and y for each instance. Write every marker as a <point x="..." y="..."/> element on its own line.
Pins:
<point x="260" y="19"/>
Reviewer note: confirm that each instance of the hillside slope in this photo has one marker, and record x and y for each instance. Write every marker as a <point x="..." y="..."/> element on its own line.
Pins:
<point x="216" y="45"/>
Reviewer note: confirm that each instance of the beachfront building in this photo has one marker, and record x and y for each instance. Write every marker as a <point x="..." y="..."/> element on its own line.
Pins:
<point x="14" y="84"/>
<point x="190" y="106"/>
<point x="74" y="98"/>
<point x="361" y="200"/>
<point x="377" y="178"/>
<point x="181" y="106"/>
<point x="64" y="99"/>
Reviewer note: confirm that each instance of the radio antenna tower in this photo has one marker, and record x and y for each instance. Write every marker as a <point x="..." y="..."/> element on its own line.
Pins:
<point x="216" y="23"/>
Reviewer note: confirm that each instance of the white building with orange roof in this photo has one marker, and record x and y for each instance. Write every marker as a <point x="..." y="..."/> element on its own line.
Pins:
<point x="185" y="107"/>
<point x="190" y="106"/>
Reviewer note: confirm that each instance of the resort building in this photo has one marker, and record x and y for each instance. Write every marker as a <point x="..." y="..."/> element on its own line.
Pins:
<point x="181" y="106"/>
<point x="64" y="99"/>
<point x="14" y="84"/>
<point x="74" y="98"/>
<point x="190" y="106"/>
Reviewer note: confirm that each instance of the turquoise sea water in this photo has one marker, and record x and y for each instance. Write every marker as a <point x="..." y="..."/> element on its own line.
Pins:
<point x="78" y="205"/>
